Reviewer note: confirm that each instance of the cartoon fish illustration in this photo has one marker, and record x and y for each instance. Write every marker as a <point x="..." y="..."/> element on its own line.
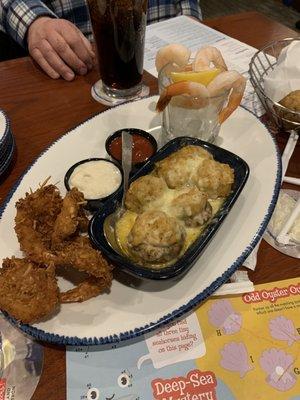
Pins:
<point x="113" y="374"/>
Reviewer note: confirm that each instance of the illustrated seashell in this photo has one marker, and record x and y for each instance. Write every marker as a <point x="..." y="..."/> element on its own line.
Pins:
<point x="283" y="328"/>
<point x="222" y="315"/>
<point x="235" y="358"/>
<point x="278" y="365"/>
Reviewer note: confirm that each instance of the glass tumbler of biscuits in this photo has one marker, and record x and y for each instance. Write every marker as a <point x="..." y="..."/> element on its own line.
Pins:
<point x="119" y="30"/>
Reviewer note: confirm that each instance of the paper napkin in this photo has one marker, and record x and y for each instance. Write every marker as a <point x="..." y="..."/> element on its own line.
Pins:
<point x="285" y="77"/>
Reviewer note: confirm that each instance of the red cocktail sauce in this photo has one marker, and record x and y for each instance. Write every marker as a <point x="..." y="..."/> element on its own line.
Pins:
<point x="142" y="148"/>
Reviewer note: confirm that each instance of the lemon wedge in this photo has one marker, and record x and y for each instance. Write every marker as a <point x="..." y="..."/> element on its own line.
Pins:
<point x="204" y="77"/>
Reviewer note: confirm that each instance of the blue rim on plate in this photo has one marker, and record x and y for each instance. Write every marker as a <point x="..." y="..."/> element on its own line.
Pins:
<point x="4" y="167"/>
<point x="76" y="341"/>
<point x="5" y="150"/>
<point x="7" y="131"/>
<point x="6" y="143"/>
<point x="187" y="260"/>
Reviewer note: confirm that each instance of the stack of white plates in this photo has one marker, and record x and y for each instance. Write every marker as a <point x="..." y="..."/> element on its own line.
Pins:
<point x="7" y="144"/>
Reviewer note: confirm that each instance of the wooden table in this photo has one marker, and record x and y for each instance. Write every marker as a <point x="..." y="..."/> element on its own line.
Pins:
<point x="41" y="110"/>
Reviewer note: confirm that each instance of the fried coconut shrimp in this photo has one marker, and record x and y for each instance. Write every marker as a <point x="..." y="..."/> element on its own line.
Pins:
<point x="155" y="237"/>
<point x="48" y="230"/>
<point x="143" y="191"/>
<point x="34" y="222"/>
<point x="177" y="169"/>
<point x="69" y="219"/>
<point x="192" y="207"/>
<point x="80" y="255"/>
<point x="214" y="178"/>
<point x="28" y="291"/>
<point x="87" y="289"/>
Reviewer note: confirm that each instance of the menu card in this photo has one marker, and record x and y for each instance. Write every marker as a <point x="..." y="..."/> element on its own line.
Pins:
<point x="232" y="347"/>
<point x="194" y="35"/>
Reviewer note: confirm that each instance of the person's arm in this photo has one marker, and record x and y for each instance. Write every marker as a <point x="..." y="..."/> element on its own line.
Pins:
<point x="59" y="48"/>
<point x="56" y="44"/>
<point x="17" y="15"/>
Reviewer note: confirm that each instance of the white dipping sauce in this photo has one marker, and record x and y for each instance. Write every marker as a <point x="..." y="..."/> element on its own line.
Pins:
<point x="96" y="179"/>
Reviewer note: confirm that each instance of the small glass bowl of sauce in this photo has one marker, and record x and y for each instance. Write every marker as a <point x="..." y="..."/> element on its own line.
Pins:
<point x="144" y="146"/>
<point x="97" y="178"/>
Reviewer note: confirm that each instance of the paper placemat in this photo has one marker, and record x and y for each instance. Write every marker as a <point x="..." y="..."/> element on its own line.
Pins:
<point x="235" y="347"/>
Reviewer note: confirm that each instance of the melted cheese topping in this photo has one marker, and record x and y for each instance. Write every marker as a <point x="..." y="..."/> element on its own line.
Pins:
<point x="126" y="222"/>
<point x="179" y="199"/>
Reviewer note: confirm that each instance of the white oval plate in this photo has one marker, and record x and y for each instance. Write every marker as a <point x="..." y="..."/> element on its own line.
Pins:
<point x="3" y="126"/>
<point x="128" y="311"/>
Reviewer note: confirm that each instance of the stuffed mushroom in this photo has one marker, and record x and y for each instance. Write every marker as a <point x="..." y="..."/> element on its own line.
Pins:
<point x="192" y="207"/>
<point x="156" y="237"/>
<point x="214" y="178"/>
<point x="178" y="168"/>
<point x="144" y="191"/>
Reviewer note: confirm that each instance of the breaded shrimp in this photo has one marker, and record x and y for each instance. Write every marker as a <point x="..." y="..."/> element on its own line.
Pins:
<point x="67" y="221"/>
<point x="90" y="287"/>
<point x="34" y="221"/>
<point x="28" y="291"/>
<point x="80" y="255"/>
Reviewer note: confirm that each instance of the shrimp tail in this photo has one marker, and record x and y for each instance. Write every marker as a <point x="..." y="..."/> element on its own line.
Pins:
<point x="224" y="114"/>
<point x="163" y="101"/>
<point x="188" y="68"/>
<point x="196" y="94"/>
<point x="234" y="101"/>
<point x="207" y="55"/>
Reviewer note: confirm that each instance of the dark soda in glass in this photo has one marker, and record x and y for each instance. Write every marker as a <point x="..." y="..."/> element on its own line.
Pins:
<point x="119" y="30"/>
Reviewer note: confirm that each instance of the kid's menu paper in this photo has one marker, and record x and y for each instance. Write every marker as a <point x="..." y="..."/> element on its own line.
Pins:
<point x="195" y="35"/>
<point x="242" y="347"/>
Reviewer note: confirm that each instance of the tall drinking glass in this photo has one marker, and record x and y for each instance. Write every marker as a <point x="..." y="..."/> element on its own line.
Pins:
<point x="119" y="30"/>
<point x="187" y="115"/>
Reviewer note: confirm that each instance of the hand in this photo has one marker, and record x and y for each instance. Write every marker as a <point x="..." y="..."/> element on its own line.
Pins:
<point x="59" y="48"/>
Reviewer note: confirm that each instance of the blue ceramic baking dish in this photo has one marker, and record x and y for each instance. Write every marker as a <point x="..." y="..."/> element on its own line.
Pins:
<point x="186" y="261"/>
